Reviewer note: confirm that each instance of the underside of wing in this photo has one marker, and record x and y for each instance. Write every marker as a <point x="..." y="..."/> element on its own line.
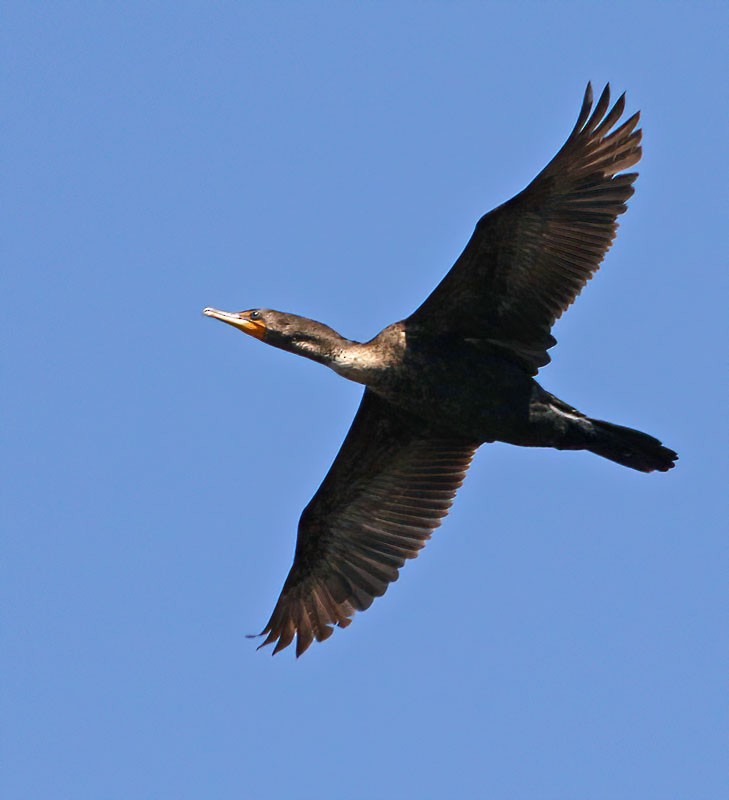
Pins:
<point x="387" y="490"/>
<point x="529" y="258"/>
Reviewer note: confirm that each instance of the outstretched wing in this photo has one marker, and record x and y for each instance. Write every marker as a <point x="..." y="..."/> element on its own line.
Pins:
<point x="529" y="258"/>
<point x="387" y="490"/>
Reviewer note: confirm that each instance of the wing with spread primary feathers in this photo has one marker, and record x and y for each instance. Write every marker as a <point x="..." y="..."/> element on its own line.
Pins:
<point x="529" y="258"/>
<point x="387" y="490"/>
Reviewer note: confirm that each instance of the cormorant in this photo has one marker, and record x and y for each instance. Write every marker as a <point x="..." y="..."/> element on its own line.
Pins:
<point x="455" y="374"/>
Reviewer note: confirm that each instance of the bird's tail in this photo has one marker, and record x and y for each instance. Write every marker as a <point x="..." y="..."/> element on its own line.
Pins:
<point x="629" y="447"/>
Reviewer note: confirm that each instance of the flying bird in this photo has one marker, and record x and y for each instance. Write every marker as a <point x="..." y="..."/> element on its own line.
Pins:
<point x="455" y="374"/>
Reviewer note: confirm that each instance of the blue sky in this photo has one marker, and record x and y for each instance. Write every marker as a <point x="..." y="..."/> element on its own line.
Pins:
<point x="564" y="633"/>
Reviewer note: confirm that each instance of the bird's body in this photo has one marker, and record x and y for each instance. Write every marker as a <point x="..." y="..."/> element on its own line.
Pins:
<point x="456" y="374"/>
<point x="455" y="385"/>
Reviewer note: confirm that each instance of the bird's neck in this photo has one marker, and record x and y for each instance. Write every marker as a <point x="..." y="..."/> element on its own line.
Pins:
<point x="366" y="362"/>
<point x="323" y="346"/>
<point x="350" y="359"/>
<point x="362" y="362"/>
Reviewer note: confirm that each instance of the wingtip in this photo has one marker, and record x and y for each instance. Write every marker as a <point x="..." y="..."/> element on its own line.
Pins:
<point x="601" y="107"/>
<point x="268" y="640"/>
<point x="585" y="109"/>
<point x="279" y="646"/>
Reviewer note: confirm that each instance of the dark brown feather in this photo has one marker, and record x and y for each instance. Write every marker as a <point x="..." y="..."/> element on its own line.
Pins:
<point x="388" y="489"/>
<point x="529" y="258"/>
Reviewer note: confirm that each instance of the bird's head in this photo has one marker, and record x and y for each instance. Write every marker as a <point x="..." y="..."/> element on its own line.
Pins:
<point x="290" y="332"/>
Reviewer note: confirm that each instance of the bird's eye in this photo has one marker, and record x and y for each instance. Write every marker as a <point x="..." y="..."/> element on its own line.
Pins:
<point x="255" y="315"/>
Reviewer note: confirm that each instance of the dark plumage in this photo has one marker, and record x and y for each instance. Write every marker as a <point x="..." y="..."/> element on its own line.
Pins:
<point x="455" y="374"/>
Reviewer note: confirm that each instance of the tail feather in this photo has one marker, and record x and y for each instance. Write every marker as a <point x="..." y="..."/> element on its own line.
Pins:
<point x="630" y="448"/>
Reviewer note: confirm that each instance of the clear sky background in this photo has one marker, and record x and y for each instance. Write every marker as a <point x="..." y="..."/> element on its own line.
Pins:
<point x="564" y="634"/>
